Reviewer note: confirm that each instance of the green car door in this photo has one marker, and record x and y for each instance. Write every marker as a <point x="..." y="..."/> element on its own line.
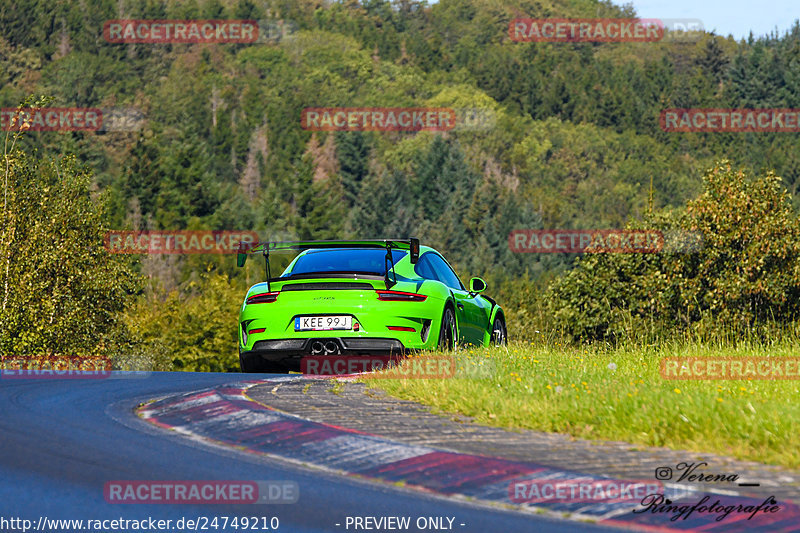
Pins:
<point x="472" y="311"/>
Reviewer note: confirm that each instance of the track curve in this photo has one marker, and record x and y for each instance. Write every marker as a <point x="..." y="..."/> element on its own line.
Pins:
<point x="63" y="440"/>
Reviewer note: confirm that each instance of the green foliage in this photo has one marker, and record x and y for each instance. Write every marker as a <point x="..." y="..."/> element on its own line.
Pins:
<point x="749" y="269"/>
<point x="745" y="277"/>
<point x="320" y="204"/>
<point x="574" y="140"/>
<point x="352" y="151"/>
<point x="192" y="329"/>
<point x="61" y="292"/>
<point x="378" y="192"/>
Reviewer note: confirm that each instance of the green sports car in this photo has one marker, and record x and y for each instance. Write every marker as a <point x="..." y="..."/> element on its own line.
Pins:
<point x="381" y="297"/>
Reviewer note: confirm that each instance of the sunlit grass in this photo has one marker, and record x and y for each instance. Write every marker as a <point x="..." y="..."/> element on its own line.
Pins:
<point x="618" y="394"/>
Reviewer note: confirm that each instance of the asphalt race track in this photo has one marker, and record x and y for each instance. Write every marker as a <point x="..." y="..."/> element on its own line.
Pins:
<point x="63" y="440"/>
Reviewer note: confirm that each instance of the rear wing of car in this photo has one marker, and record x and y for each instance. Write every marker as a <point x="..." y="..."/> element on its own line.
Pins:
<point x="411" y="244"/>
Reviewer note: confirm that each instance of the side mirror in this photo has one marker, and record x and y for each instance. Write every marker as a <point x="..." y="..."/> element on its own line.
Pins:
<point x="413" y="250"/>
<point x="477" y="285"/>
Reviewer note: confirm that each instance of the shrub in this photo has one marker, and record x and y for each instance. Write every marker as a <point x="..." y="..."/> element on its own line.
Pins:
<point x="61" y="293"/>
<point x="744" y="279"/>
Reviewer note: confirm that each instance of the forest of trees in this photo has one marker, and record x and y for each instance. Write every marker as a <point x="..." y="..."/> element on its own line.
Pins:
<point x="574" y="142"/>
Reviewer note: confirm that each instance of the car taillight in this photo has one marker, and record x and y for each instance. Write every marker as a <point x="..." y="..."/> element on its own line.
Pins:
<point x="263" y="298"/>
<point x="401" y="328"/>
<point x="257" y="330"/>
<point x="399" y="296"/>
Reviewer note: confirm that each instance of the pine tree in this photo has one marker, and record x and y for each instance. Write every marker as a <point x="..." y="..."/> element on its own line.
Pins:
<point x="384" y="208"/>
<point x="738" y="88"/>
<point x="352" y="150"/>
<point x="713" y="61"/>
<point x="440" y="172"/>
<point x="320" y="212"/>
<point x="443" y="187"/>
<point x="141" y="175"/>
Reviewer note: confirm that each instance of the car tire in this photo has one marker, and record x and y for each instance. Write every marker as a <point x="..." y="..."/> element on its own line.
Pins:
<point x="257" y="365"/>
<point x="447" y="331"/>
<point x="499" y="332"/>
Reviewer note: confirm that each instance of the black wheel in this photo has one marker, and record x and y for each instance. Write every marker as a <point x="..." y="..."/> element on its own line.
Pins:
<point x="257" y="365"/>
<point x="499" y="332"/>
<point x="447" y="333"/>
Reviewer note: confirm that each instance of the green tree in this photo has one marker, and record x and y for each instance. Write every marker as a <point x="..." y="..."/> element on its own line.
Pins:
<point x="384" y="208"/>
<point x="749" y="269"/>
<point x="61" y="292"/>
<point x="190" y="329"/>
<point x="320" y="212"/>
<point x="352" y="151"/>
<point x="713" y="61"/>
<point x="743" y="276"/>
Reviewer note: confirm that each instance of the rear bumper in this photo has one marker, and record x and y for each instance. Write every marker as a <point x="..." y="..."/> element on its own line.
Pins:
<point x="372" y="319"/>
<point x="289" y="352"/>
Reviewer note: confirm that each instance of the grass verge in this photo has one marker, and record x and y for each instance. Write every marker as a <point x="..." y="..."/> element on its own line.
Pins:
<point x="619" y="394"/>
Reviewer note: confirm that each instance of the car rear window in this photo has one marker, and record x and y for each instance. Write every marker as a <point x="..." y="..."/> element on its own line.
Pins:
<point x="355" y="260"/>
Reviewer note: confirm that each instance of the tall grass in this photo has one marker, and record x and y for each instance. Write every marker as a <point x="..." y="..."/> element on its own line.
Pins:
<point x="601" y="391"/>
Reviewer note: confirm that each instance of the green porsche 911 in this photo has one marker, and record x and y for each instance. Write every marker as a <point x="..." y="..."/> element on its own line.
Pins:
<point x="373" y="297"/>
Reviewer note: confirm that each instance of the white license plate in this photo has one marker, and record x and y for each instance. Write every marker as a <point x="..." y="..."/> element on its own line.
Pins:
<point x="322" y="323"/>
